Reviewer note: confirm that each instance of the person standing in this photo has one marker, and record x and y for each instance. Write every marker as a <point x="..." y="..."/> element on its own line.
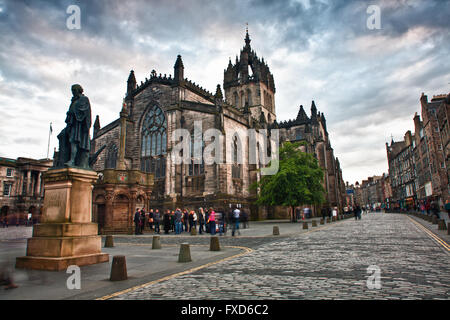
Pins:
<point x="167" y="222"/>
<point x="236" y="217"/>
<point x="323" y="211"/>
<point x="212" y="221"/>
<point x="151" y="219"/>
<point x="220" y="220"/>
<point x="185" y="220"/>
<point x="195" y="218"/>
<point x="172" y="221"/>
<point x="191" y="220"/>
<point x="335" y="212"/>
<point x="143" y="220"/>
<point x="358" y="212"/>
<point x="156" y="220"/>
<point x="207" y="222"/>
<point x="137" y="222"/>
<point x="435" y="209"/>
<point x="201" y="220"/>
<point x="178" y="221"/>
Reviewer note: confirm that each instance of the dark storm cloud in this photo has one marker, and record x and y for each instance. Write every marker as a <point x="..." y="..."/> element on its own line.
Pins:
<point x="365" y="81"/>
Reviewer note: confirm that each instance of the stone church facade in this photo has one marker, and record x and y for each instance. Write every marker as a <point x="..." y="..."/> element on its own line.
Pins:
<point x="134" y="152"/>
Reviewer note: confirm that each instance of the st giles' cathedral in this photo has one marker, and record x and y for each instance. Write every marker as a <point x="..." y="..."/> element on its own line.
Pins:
<point x="134" y="151"/>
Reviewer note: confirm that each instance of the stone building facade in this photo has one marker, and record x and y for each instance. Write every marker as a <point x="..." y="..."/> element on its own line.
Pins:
<point x="402" y="171"/>
<point x="141" y="141"/>
<point x="418" y="165"/>
<point x="21" y="188"/>
<point x="430" y="153"/>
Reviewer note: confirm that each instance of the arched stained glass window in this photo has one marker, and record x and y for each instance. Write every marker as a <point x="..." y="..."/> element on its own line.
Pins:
<point x="154" y="142"/>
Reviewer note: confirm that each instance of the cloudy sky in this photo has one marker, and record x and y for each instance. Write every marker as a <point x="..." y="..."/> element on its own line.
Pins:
<point x="366" y="81"/>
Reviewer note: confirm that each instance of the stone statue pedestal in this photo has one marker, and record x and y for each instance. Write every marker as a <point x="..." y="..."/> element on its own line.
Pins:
<point x="66" y="236"/>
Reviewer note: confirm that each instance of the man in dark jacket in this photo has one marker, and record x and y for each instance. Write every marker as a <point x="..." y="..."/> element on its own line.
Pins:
<point x="137" y="222"/>
<point x="142" y="220"/>
<point x="201" y="220"/>
<point x="185" y="220"/>
<point x="167" y="222"/>
<point x="435" y="209"/>
<point x="323" y="211"/>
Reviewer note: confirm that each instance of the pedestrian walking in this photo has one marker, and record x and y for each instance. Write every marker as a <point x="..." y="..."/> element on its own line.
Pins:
<point x="137" y="222"/>
<point x="245" y="219"/>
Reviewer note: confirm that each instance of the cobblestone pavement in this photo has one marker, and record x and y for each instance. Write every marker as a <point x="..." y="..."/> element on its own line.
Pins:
<point x="330" y="263"/>
<point x="13" y="233"/>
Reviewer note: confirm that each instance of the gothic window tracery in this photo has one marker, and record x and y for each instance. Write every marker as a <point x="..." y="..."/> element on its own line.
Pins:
<point x="111" y="157"/>
<point x="154" y="142"/>
<point x="236" y="166"/>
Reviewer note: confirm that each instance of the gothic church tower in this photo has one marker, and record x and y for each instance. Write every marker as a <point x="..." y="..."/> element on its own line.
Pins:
<point x="249" y="84"/>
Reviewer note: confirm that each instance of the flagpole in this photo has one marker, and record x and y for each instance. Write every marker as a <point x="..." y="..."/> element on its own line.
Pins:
<point x="49" y="133"/>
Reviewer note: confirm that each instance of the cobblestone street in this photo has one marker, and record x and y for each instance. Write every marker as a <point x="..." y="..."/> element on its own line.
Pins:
<point x="329" y="263"/>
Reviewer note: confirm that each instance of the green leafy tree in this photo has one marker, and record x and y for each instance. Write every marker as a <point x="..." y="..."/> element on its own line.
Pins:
<point x="297" y="182"/>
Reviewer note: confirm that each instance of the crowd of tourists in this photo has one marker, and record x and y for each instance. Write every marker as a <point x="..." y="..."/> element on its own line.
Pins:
<point x="183" y="220"/>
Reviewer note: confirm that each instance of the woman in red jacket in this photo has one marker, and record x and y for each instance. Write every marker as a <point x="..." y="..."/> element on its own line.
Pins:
<point x="212" y="221"/>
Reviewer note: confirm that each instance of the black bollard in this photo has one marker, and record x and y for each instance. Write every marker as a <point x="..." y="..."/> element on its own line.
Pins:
<point x="118" y="269"/>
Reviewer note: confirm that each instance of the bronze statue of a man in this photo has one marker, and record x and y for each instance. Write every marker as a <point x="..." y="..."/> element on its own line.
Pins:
<point x="77" y="130"/>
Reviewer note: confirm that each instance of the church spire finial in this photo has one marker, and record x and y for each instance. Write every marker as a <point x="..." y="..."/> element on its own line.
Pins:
<point x="247" y="37"/>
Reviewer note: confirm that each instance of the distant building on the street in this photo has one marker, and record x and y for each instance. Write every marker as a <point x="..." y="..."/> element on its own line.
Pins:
<point x="386" y="191"/>
<point x="402" y="172"/>
<point x="21" y="188"/>
<point x="369" y="194"/>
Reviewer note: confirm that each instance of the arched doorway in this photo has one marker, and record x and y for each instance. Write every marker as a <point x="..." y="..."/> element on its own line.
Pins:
<point x="4" y="216"/>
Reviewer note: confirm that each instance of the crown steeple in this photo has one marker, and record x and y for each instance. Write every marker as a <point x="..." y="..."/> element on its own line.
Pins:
<point x="247" y="39"/>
